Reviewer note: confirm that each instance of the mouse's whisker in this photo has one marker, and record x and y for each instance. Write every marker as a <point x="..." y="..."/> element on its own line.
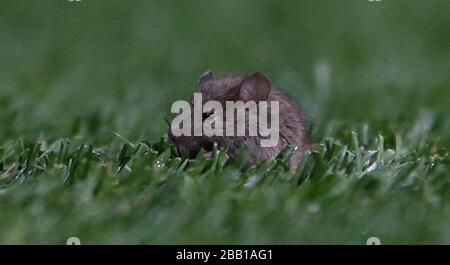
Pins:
<point x="167" y="122"/>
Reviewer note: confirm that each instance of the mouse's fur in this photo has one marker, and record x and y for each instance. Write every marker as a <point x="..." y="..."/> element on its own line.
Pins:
<point x="293" y="125"/>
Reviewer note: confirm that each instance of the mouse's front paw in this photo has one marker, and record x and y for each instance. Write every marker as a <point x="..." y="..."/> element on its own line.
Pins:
<point x="208" y="155"/>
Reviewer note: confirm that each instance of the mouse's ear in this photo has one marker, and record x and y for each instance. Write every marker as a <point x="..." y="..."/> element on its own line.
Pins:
<point x="255" y="87"/>
<point x="206" y="76"/>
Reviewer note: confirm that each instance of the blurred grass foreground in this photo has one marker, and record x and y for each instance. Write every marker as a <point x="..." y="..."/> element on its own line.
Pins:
<point x="83" y="84"/>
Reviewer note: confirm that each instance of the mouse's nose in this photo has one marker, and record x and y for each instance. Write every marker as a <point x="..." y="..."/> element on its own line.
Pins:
<point x="171" y="136"/>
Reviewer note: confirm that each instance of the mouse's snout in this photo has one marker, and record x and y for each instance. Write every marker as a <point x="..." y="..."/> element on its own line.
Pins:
<point x="180" y="140"/>
<point x="171" y="136"/>
<point x="189" y="146"/>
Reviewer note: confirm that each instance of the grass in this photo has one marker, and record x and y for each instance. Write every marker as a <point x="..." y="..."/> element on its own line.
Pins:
<point x="85" y="88"/>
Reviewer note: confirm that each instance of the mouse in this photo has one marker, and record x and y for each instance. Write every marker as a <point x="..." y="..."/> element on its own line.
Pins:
<point x="293" y="125"/>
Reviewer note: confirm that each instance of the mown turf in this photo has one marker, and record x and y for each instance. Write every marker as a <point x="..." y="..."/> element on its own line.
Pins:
<point x="85" y="87"/>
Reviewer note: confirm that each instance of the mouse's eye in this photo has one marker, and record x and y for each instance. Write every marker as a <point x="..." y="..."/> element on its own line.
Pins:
<point x="207" y="114"/>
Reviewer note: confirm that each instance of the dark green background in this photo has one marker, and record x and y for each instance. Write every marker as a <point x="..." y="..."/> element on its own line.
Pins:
<point x="125" y="62"/>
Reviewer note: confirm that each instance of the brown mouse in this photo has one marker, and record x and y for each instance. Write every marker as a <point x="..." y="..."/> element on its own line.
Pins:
<point x="293" y="125"/>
